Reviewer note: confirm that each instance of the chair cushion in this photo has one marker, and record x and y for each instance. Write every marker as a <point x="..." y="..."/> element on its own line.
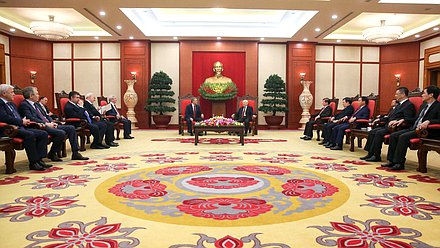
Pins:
<point x="355" y="105"/>
<point x="415" y="140"/>
<point x="17" y="140"/>
<point x="103" y="103"/>
<point x="417" y="101"/>
<point x="387" y="136"/>
<point x="18" y="99"/>
<point x="372" y="107"/>
<point x="333" y="106"/>
<point x="348" y="130"/>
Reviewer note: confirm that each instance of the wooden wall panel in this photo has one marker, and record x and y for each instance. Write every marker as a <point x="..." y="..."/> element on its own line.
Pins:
<point x="32" y="55"/>
<point x="298" y="61"/>
<point x="135" y="56"/>
<point x="188" y="47"/>
<point x="400" y="59"/>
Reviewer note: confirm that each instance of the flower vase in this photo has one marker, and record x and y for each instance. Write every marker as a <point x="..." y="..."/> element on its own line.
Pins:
<point x="305" y="100"/>
<point x="130" y="100"/>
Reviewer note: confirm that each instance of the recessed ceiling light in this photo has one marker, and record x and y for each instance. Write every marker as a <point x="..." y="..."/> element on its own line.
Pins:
<point x="262" y="38"/>
<point x="338" y="41"/>
<point x="96" y="38"/>
<point x="317" y="29"/>
<point x="334" y="16"/>
<point x="175" y="38"/>
<point x="417" y="35"/>
<point x="305" y="39"/>
<point x="101" y="13"/>
<point x="12" y="29"/>
<point x="119" y="27"/>
<point x="131" y="37"/>
<point x="435" y="29"/>
<point x="219" y="38"/>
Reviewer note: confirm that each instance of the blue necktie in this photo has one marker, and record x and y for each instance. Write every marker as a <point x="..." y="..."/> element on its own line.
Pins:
<point x="88" y="116"/>
<point x="12" y="108"/>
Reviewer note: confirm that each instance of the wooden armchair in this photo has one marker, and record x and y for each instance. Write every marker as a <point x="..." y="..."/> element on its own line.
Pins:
<point x="182" y="103"/>
<point x="252" y="102"/>
<point x="320" y="126"/>
<point x="6" y="144"/>
<point x="102" y="100"/>
<point x="80" y="124"/>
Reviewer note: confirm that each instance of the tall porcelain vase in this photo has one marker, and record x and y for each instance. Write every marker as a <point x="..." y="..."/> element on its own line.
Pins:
<point x="130" y="100"/>
<point x="305" y="100"/>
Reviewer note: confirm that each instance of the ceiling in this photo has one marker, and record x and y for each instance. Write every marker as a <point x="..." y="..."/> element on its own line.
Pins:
<point x="275" y="20"/>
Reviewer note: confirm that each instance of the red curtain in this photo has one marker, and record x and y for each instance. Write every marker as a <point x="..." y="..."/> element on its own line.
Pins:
<point x="234" y="67"/>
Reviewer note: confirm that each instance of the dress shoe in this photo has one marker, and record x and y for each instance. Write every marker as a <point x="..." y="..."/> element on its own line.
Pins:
<point x="44" y="165"/>
<point x="336" y="148"/>
<point x="330" y="145"/>
<point x="387" y="165"/>
<point x="398" y="167"/>
<point x="78" y="156"/>
<point x="128" y="137"/>
<point x="373" y="159"/>
<point x="97" y="147"/>
<point x="307" y="138"/>
<point x="303" y="137"/>
<point x="191" y="134"/>
<point x="54" y="157"/>
<point x="366" y="157"/>
<point x="326" y="143"/>
<point x="36" y="166"/>
<point x="321" y="143"/>
<point x="105" y="146"/>
<point x="112" y="144"/>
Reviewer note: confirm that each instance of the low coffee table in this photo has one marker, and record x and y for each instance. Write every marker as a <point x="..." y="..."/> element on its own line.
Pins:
<point x="234" y="129"/>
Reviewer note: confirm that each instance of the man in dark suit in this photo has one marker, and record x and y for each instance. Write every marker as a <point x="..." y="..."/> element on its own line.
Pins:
<point x="343" y="116"/>
<point x="193" y="113"/>
<point x="363" y="112"/>
<point x="429" y="113"/>
<point x="110" y="129"/>
<point x="244" y="115"/>
<point x="34" y="140"/>
<point x="404" y="111"/>
<point x="33" y="111"/>
<point x="326" y="111"/>
<point x="382" y="119"/>
<point x="74" y="109"/>
<point x="119" y="118"/>
<point x="43" y="103"/>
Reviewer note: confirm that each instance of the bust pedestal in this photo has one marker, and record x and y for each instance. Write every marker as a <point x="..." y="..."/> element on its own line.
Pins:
<point x="130" y="100"/>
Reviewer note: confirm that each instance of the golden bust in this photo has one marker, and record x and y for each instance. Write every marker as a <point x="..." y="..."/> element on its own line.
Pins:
<point x="218" y="87"/>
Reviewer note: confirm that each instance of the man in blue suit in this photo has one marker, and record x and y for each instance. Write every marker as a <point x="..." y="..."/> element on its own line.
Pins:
<point x="34" y="112"/>
<point x="193" y="113"/>
<point x="338" y="132"/>
<point x="34" y="140"/>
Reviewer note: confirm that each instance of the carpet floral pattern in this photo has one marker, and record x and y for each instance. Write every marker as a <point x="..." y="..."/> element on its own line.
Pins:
<point x="205" y="198"/>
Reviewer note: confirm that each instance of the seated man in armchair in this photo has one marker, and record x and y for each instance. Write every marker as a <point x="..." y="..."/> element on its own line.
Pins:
<point x="193" y="113"/>
<point x="244" y="114"/>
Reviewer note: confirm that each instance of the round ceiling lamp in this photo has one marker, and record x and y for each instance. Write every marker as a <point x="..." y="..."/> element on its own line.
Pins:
<point x="51" y="30"/>
<point x="383" y="33"/>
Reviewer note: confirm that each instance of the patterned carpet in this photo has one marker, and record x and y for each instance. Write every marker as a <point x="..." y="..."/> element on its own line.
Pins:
<point x="160" y="190"/>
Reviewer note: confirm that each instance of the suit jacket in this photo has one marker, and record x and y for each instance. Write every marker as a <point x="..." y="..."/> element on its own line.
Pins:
<point x="325" y="112"/>
<point x="72" y="111"/>
<point x="27" y="109"/>
<point x="45" y="114"/>
<point x="249" y="113"/>
<point x="112" y="111"/>
<point x="91" y="109"/>
<point x="405" y="111"/>
<point x="7" y="116"/>
<point x="363" y="113"/>
<point x="348" y="111"/>
<point x="190" y="114"/>
<point x="433" y="115"/>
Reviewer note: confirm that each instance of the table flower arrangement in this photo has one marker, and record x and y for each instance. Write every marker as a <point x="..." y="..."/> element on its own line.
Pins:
<point x="219" y="121"/>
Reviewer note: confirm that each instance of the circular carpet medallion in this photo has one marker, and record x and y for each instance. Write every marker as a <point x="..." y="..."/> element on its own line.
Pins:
<point x="213" y="194"/>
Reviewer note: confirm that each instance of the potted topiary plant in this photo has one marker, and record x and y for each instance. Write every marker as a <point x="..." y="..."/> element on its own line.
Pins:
<point x="275" y="101"/>
<point x="159" y="95"/>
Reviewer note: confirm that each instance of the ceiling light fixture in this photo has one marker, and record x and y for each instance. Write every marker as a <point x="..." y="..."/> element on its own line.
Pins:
<point x="382" y="33"/>
<point x="131" y="37"/>
<point x="262" y="38"/>
<point x="175" y="38"/>
<point x="12" y="29"/>
<point x="101" y="13"/>
<point x="334" y="16"/>
<point x="96" y="38"/>
<point x="339" y="41"/>
<point x="119" y="27"/>
<point x="51" y="30"/>
<point x="417" y="35"/>
<point x="305" y="39"/>
<point x="219" y="38"/>
<point x="435" y="29"/>
<point x="317" y="29"/>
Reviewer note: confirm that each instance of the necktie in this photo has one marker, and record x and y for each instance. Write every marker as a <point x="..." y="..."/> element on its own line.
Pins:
<point x="244" y="111"/>
<point x="11" y="107"/>
<point x="88" y="116"/>
<point x="40" y="114"/>
<point x="194" y="111"/>
<point x="420" y="118"/>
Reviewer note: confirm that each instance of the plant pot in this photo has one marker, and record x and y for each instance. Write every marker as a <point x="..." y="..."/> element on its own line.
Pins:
<point x="274" y="121"/>
<point x="162" y="121"/>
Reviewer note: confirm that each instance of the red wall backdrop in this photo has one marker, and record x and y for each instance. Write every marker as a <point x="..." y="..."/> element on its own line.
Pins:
<point x="32" y="55"/>
<point x="400" y="59"/>
<point x="234" y="67"/>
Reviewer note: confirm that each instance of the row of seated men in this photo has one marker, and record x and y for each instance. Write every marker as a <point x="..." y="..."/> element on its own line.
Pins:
<point x="35" y="125"/>
<point x="402" y="117"/>
<point x="193" y="113"/>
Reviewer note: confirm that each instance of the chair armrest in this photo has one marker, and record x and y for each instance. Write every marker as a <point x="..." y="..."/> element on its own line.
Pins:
<point x="425" y="132"/>
<point x="81" y="122"/>
<point x="8" y="130"/>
